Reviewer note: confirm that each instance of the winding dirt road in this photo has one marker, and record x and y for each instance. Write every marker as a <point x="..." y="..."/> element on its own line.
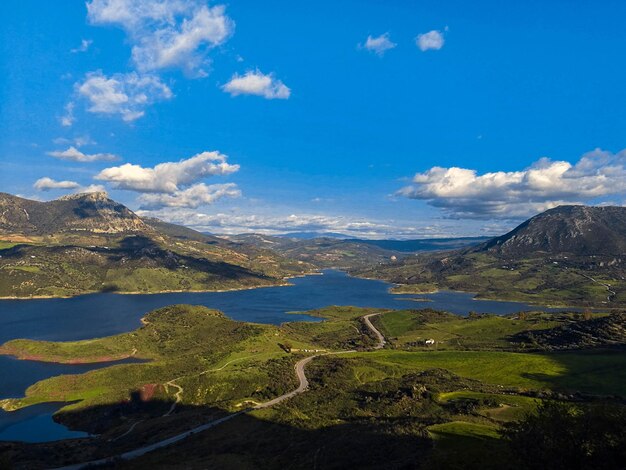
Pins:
<point x="373" y="329"/>
<point x="304" y="385"/>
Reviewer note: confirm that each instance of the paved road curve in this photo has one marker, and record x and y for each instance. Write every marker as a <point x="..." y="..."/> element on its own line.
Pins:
<point x="304" y="385"/>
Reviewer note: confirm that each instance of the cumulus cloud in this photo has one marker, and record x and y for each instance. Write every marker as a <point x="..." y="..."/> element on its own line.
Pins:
<point x="123" y="94"/>
<point x="166" y="33"/>
<point x="92" y="188"/>
<point x="197" y="195"/>
<point x="462" y="192"/>
<point x="84" y="46"/>
<point x="75" y="155"/>
<point x="273" y="224"/>
<point x="259" y="84"/>
<point x="46" y="184"/>
<point x="168" y="177"/>
<point x="379" y="45"/>
<point x="431" y="40"/>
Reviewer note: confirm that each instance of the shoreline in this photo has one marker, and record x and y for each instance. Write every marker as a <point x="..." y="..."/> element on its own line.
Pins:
<point x="177" y="291"/>
<point x="285" y="283"/>
<point x="477" y="297"/>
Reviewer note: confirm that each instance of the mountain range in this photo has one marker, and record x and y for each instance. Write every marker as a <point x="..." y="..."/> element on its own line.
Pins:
<point x="90" y="243"/>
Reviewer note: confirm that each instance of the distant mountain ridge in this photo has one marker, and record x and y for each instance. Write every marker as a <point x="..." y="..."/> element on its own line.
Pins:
<point x="576" y="230"/>
<point x="327" y="252"/>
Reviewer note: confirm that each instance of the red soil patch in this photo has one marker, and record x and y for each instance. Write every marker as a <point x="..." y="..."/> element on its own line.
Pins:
<point x="147" y="391"/>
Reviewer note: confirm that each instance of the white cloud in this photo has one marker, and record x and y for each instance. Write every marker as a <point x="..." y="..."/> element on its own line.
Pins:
<point x="75" y="155"/>
<point x="166" y="33"/>
<point x="259" y="84"/>
<point x="167" y="177"/>
<point x="197" y="195"/>
<point x="68" y="119"/>
<point x="84" y="46"/>
<point x="379" y="45"/>
<point x="431" y="40"/>
<point x="462" y="192"/>
<point x="78" y="141"/>
<point x="235" y="223"/>
<point x="92" y="188"/>
<point x="46" y="184"/>
<point x="123" y="94"/>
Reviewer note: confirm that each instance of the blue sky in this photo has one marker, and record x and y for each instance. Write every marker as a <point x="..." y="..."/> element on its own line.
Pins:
<point x="376" y="119"/>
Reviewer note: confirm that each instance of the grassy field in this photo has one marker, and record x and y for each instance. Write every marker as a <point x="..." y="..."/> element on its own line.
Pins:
<point x="443" y="405"/>
<point x="409" y="328"/>
<point x="588" y="372"/>
<point x="7" y="244"/>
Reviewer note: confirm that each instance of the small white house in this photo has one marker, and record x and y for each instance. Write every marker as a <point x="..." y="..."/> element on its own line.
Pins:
<point x="430" y="342"/>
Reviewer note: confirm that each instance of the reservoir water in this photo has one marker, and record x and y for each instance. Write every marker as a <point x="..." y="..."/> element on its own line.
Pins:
<point x="98" y="315"/>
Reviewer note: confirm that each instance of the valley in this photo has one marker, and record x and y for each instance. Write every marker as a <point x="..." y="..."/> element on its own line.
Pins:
<point x="427" y="353"/>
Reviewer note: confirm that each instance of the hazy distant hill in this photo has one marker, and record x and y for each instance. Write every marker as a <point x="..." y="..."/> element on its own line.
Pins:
<point x="88" y="243"/>
<point x="570" y="254"/>
<point x="349" y="253"/>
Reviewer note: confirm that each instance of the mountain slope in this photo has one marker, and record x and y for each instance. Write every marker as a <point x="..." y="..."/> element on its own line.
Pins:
<point x="90" y="243"/>
<point x="91" y="212"/>
<point x="577" y="230"/>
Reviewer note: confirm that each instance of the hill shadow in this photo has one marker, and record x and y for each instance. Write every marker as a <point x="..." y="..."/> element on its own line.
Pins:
<point x="245" y="441"/>
<point x="599" y="372"/>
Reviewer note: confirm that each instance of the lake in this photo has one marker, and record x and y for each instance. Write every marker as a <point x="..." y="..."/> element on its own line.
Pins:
<point x="98" y="315"/>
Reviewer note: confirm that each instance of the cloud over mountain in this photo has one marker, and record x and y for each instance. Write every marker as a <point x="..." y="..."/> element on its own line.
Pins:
<point x="197" y="195"/>
<point x="462" y="192"/>
<point x="48" y="184"/>
<point x="168" y="177"/>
